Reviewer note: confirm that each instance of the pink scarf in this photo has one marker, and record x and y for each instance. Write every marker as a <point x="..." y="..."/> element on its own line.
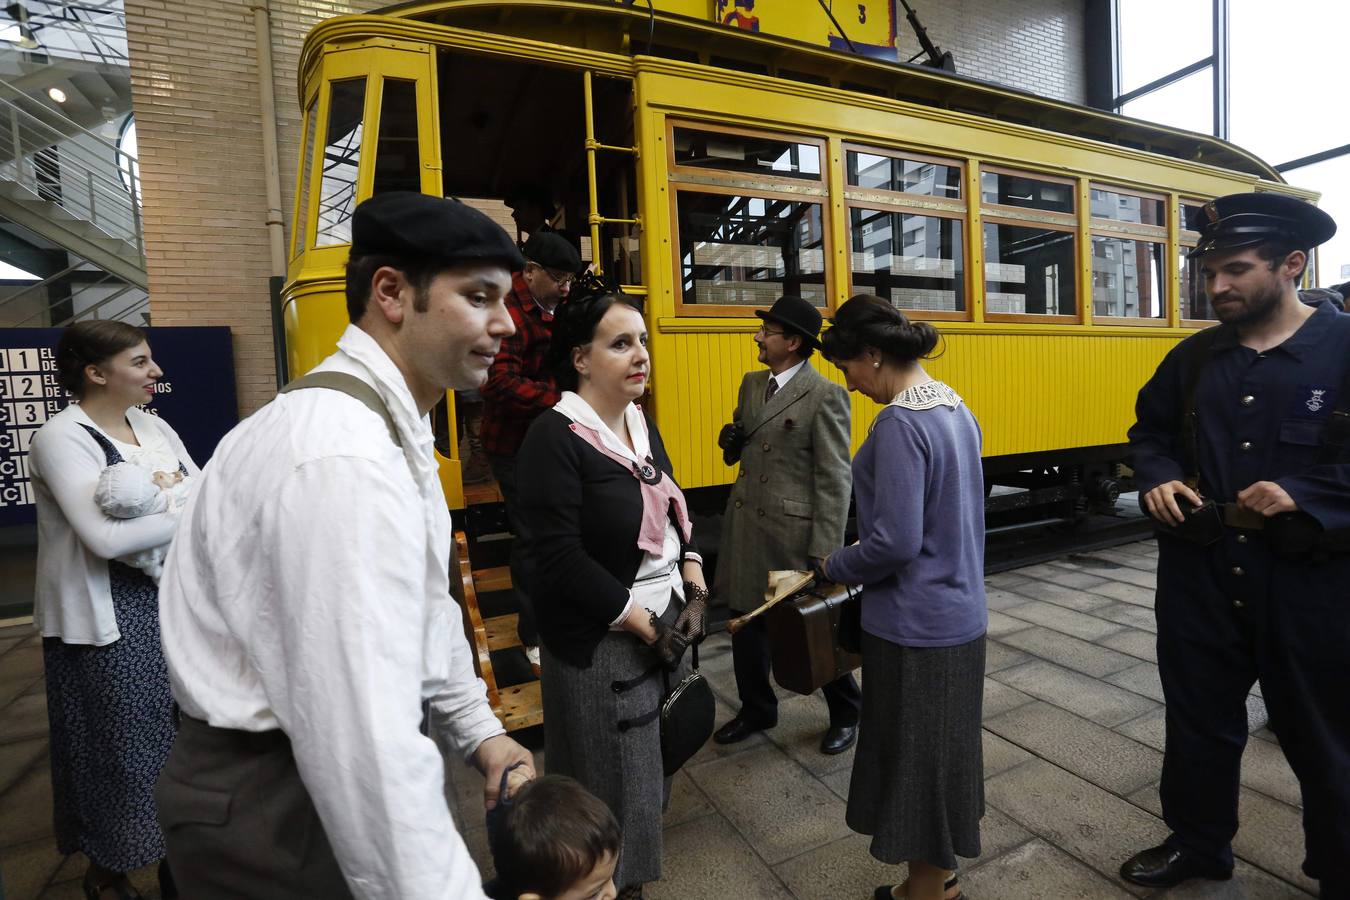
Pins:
<point x="659" y="494"/>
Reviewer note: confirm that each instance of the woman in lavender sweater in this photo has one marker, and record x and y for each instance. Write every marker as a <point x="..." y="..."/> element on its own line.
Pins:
<point x="917" y="783"/>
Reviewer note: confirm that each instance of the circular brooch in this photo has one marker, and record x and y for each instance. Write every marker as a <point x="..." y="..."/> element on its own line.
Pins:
<point x="647" y="472"/>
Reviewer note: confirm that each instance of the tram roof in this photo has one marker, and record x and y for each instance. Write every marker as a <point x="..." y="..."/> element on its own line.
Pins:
<point x="666" y="34"/>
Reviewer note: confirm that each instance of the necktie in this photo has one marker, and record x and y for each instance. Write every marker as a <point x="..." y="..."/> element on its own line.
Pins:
<point x="770" y="389"/>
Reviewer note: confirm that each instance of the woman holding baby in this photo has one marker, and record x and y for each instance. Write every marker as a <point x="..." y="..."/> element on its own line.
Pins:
<point x="108" y="478"/>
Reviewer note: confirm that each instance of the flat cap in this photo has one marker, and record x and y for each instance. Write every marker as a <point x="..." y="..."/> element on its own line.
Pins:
<point x="552" y="251"/>
<point x="408" y="224"/>
<point x="1243" y="220"/>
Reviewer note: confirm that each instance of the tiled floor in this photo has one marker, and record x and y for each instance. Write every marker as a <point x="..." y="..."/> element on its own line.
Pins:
<point x="1072" y="749"/>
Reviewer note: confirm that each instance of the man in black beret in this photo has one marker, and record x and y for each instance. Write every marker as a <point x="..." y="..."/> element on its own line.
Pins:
<point x="519" y="388"/>
<point x="306" y="608"/>
<point x="1240" y="455"/>
<point x="787" y="507"/>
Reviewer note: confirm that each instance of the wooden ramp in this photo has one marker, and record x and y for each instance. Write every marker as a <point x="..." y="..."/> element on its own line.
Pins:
<point x="519" y="705"/>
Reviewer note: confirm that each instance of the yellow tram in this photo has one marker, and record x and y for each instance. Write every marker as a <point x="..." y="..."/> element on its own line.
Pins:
<point x="712" y="169"/>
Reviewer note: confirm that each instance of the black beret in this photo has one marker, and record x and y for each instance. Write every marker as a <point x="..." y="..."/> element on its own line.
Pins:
<point x="552" y="251"/>
<point x="1243" y="220"/>
<point x="408" y="224"/>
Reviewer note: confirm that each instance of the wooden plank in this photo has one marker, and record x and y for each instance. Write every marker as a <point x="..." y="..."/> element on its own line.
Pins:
<point x="522" y="706"/>
<point x="497" y="578"/>
<point x="501" y="632"/>
<point x="477" y="494"/>
<point x="474" y="628"/>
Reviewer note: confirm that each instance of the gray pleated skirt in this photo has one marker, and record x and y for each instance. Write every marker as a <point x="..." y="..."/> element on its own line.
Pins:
<point x="582" y="739"/>
<point x="918" y="774"/>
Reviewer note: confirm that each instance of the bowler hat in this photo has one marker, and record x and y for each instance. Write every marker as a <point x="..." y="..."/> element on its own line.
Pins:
<point x="1244" y="220"/>
<point x="797" y="315"/>
<point x="412" y="225"/>
<point x="552" y="251"/>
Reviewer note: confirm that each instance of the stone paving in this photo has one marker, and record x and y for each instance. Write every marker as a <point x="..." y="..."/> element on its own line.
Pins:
<point x="1072" y="750"/>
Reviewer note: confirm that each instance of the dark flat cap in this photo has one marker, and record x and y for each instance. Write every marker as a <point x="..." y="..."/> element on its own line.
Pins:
<point x="796" y="315"/>
<point x="408" y="224"/>
<point x="552" y="251"/>
<point x="1244" y="220"/>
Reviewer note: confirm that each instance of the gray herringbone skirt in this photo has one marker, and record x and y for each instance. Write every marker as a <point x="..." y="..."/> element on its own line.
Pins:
<point x="582" y="739"/>
<point x="918" y="776"/>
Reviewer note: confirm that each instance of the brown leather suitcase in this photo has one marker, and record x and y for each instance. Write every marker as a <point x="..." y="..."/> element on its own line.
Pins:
<point x="804" y="634"/>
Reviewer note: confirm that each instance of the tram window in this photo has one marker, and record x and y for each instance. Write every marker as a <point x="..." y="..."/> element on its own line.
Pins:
<point x="1194" y="302"/>
<point x="1029" y="270"/>
<point x="779" y="157"/>
<point x="306" y="168"/>
<point x="1185" y="214"/>
<point x="875" y="171"/>
<point x="398" y="165"/>
<point x="1007" y="189"/>
<point x="738" y="250"/>
<point x="341" y="160"/>
<point x="1127" y="278"/>
<point x="914" y="261"/>
<point x="1130" y="208"/>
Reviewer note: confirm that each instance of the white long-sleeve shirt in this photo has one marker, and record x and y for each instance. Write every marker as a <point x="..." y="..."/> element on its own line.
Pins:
<point x="73" y="599"/>
<point x="308" y="590"/>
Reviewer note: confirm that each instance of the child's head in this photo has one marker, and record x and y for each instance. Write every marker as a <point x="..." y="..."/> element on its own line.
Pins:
<point x="557" y="841"/>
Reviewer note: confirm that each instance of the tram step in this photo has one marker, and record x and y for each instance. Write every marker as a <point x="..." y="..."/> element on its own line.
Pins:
<point x="497" y="578"/>
<point x="522" y="706"/>
<point x="486" y="492"/>
<point x="501" y="632"/>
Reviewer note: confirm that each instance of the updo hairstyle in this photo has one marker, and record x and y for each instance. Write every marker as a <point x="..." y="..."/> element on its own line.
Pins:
<point x="574" y="324"/>
<point x="866" y="320"/>
<point x="90" y="343"/>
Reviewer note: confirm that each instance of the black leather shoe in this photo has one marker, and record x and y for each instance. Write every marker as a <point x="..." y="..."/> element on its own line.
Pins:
<point x="1168" y="866"/>
<point x="735" y="731"/>
<point x="838" y="739"/>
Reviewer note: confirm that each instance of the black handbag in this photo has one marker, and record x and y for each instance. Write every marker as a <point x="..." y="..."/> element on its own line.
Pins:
<point x="687" y="714"/>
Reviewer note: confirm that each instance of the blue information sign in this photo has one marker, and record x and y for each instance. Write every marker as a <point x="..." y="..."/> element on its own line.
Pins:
<point x="196" y="396"/>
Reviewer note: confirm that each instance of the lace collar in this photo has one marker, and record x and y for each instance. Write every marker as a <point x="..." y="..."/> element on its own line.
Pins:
<point x="926" y="396"/>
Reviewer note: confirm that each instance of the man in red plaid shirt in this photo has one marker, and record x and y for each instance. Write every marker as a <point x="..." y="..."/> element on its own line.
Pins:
<point x="518" y="389"/>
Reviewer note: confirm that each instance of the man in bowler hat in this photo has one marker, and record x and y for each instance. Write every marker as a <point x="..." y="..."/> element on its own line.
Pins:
<point x="788" y="505"/>
<point x="1240" y="454"/>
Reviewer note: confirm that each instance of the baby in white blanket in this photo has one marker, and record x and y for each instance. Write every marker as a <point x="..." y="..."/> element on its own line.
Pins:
<point x="128" y="490"/>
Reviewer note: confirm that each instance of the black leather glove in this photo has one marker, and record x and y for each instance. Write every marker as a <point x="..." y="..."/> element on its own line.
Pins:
<point x="731" y="439"/>
<point x="693" y="619"/>
<point x="669" y="645"/>
<point x="817" y="567"/>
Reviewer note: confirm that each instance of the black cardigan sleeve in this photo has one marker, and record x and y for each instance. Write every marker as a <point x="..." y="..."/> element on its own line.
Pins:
<point x="551" y="478"/>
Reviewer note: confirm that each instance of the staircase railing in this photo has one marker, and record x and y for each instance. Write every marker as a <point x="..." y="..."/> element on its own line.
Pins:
<point x="101" y="188"/>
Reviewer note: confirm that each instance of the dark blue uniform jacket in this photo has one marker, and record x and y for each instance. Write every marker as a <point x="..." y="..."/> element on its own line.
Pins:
<point x="1260" y="418"/>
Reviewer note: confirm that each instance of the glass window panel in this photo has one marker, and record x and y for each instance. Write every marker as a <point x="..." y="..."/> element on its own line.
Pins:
<point x="1188" y="104"/>
<point x="1332" y="178"/>
<point x="780" y="157"/>
<point x="1302" y="93"/>
<point x="1148" y="50"/>
<point x="1187" y="211"/>
<point x="306" y="169"/>
<point x="1194" y="303"/>
<point x="1121" y="207"/>
<point x="341" y="160"/>
<point x="748" y="251"/>
<point x="1026" y="191"/>
<point x="913" y="261"/>
<point x="909" y="176"/>
<point x="1127" y="278"/>
<point x="398" y="165"/>
<point x="1028" y="270"/>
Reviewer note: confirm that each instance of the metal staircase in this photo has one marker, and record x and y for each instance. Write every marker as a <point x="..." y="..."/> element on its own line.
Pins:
<point x="73" y="188"/>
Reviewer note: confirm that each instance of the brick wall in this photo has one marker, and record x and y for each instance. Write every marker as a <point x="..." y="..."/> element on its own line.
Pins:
<point x="195" y="88"/>
<point x="1032" y="45"/>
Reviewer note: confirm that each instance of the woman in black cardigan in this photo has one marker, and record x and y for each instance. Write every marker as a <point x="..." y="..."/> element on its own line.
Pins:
<point x="614" y="565"/>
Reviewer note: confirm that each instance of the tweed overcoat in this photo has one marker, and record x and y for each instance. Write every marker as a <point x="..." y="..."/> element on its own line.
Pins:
<point x="791" y="495"/>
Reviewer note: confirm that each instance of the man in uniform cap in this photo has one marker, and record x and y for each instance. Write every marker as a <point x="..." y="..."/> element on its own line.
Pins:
<point x="787" y="507"/>
<point x="1240" y="455"/>
<point x="519" y="388"/>
<point x="305" y="606"/>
